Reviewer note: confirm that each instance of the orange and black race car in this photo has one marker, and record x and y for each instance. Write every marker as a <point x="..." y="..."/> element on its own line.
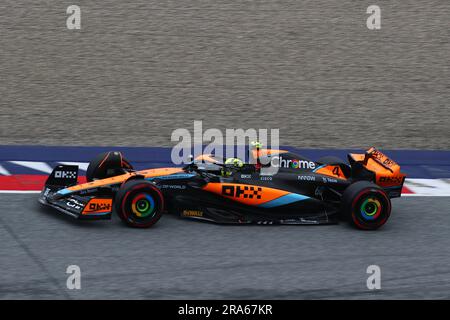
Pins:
<point x="301" y="191"/>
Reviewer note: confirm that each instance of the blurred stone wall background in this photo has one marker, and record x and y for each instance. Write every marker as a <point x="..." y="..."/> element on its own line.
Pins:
<point x="137" y="70"/>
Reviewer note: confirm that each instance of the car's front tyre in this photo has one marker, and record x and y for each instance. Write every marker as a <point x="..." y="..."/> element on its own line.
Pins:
<point x="139" y="203"/>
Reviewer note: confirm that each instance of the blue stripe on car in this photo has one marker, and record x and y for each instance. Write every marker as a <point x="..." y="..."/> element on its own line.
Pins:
<point x="64" y="191"/>
<point x="173" y="176"/>
<point x="324" y="165"/>
<point x="97" y="214"/>
<point x="283" y="200"/>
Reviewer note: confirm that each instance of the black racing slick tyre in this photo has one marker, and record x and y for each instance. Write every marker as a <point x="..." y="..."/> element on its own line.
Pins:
<point x="106" y="165"/>
<point x="366" y="205"/>
<point x="139" y="203"/>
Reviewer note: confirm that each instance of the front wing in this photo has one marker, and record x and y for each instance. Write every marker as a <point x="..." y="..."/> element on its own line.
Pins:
<point x="79" y="207"/>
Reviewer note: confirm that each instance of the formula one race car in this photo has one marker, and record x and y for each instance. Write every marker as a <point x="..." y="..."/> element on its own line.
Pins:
<point x="302" y="191"/>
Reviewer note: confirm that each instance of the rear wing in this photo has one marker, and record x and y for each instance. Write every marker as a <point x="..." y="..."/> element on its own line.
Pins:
<point x="375" y="166"/>
<point x="382" y="159"/>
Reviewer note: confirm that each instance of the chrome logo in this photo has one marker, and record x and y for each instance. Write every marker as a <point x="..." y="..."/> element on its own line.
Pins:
<point x="279" y="162"/>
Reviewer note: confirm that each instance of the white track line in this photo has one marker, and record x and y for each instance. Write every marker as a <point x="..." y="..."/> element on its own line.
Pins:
<point x="3" y="171"/>
<point x="19" y="191"/>
<point x="38" y="166"/>
<point x="429" y="187"/>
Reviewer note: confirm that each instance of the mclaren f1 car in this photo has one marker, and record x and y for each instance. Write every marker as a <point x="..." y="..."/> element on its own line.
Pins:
<point x="302" y="191"/>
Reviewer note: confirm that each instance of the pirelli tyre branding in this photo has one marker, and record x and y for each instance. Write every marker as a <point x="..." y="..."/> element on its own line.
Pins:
<point x="98" y="206"/>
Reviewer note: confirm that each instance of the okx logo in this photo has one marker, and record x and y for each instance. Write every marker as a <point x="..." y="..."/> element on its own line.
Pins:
<point x="246" y="192"/>
<point x="65" y="174"/>
<point x="96" y="206"/>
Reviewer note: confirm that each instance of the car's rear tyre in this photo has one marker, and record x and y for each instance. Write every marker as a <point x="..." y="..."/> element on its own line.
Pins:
<point x="139" y="203"/>
<point x="106" y="165"/>
<point x="366" y="205"/>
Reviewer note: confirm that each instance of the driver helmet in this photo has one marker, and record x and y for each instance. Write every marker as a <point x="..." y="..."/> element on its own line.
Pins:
<point x="235" y="162"/>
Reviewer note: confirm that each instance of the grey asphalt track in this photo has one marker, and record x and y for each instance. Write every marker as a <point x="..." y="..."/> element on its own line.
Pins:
<point x="191" y="260"/>
<point x="139" y="69"/>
